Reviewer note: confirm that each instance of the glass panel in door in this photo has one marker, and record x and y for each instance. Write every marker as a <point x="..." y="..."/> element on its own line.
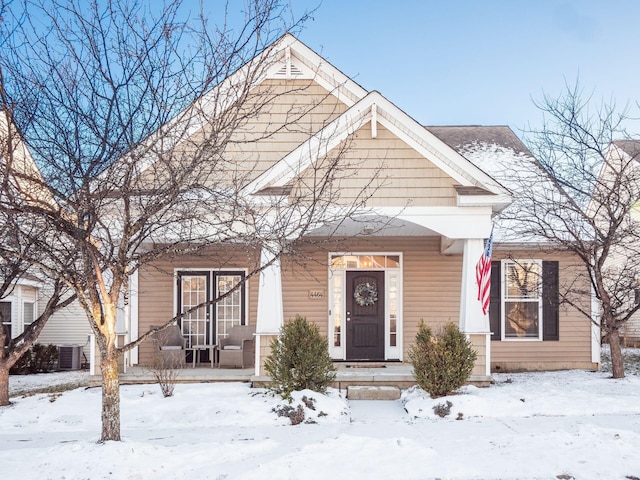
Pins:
<point x="193" y="292"/>
<point x="230" y="309"/>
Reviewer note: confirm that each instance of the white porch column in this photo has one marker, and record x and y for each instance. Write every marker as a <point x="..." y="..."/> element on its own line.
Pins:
<point x="270" y="316"/>
<point x="133" y="315"/>
<point x="472" y="321"/>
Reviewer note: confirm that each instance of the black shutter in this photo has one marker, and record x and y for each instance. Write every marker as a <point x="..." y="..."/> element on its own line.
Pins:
<point x="550" y="301"/>
<point x="494" y="307"/>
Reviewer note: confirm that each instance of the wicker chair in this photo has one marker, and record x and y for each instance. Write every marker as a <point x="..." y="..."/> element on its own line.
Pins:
<point x="169" y="347"/>
<point x="238" y="348"/>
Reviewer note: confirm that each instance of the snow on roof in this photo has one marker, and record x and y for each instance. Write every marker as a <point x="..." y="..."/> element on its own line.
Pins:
<point x="501" y="154"/>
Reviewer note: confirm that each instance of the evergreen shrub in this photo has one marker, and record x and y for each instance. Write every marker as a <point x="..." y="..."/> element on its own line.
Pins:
<point x="299" y="359"/>
<point x="441" y="363"/>
<point x="44" y="358"/>
<point x="38" y="359"/>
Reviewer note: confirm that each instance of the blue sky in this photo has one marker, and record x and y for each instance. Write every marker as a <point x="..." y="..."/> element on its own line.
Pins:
<point x="479" y="62"/>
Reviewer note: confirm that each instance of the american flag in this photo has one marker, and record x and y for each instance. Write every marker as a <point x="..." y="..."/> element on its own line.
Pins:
<point x="483" y="275"/>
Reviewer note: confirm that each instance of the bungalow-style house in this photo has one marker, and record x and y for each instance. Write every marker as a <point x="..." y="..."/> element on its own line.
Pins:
<point x="27" y="296"/>
<point x="368" y="282"/>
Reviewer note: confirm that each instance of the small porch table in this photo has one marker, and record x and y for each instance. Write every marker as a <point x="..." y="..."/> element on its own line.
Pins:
<point x="197" y="349"/>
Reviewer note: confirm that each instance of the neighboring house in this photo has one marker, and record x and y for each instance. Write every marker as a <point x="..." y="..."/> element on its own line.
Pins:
<point x="628" y="150"/>
<point x="27" y="297"/>
<point x="368" y="288"/>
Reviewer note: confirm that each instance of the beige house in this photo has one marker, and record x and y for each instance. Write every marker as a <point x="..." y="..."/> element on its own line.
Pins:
<point x="411" y="256"/>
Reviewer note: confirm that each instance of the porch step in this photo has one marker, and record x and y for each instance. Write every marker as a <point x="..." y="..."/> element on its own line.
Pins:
<point x="358" y="392"/>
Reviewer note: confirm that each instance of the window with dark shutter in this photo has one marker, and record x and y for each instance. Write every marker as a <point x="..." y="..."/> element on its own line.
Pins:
<point x="525" y="300"/>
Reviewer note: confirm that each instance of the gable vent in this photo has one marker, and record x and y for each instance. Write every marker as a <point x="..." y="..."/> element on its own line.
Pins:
<point x="69" y="357"/>
<point x="295" y="71"/>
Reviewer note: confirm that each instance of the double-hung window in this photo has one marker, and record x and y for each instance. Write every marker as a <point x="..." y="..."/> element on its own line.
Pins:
<point x="524" y="300"/>
<point x="522" y="297"/>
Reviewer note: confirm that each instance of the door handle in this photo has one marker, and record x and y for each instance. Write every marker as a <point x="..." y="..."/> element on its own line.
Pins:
<point x="348" y="316"/>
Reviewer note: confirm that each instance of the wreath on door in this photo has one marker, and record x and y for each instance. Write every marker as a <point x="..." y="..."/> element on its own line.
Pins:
<point x="365" y="294"/>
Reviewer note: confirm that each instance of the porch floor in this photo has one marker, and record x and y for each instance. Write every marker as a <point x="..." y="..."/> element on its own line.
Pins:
<point x="200" y="374"/>
<point x="348" y="374"/>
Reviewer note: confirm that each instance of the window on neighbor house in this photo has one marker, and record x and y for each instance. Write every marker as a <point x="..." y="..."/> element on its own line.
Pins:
<point x="28" y="313"/>
<point x="5" y="319"/>
<point x="524" y="300"/>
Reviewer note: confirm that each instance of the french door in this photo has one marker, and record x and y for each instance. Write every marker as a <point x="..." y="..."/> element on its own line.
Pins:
<point x="209" y="323"/>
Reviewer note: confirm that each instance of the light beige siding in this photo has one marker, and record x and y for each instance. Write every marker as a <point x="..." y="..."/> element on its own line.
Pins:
<point x="431" y="292"/>
<point x="431" y="282"/>
<point x="573" y="350"/>
<point x="479" y="343"/>
<point x="157" y="293"/>
<point x="277" y="117"/>
<point x="385" y="171"/>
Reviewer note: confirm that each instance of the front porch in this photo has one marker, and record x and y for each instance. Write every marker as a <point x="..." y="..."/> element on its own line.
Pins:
<point x="394" y="374"/>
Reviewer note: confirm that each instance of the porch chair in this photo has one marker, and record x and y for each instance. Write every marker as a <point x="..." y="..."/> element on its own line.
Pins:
<point x="169" y="347"/>
<point x="238" y="348"/>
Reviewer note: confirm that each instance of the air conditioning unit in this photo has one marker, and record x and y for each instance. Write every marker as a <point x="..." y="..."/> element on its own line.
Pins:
<point x="69" y="357"/>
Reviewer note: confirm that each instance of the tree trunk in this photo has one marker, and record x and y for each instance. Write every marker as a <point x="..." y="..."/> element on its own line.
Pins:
<point x="110" y="396"/>
<point x="4" y="385"/>
<point x="617" y="362"/>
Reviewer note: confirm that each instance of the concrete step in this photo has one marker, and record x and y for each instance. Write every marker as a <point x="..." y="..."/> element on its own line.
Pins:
<point x="357" y="392"/>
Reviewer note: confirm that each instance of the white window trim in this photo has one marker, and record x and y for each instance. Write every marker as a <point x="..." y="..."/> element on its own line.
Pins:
<point x="503" y="301"/>
<point x="390" y="353"/>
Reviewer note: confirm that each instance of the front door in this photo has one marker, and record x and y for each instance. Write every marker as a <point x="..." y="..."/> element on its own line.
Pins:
<point x="365" y="315"/>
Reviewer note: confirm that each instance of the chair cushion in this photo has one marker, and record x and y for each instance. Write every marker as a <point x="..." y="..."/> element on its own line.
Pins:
<point x="232" y="347"/>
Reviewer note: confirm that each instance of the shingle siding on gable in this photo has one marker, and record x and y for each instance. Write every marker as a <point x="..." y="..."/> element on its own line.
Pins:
<point x="400" y="175"/>
<point x="302" y="105"/>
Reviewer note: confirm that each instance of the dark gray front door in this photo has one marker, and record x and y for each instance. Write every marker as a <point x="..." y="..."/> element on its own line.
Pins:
<point x="365" y="315"/>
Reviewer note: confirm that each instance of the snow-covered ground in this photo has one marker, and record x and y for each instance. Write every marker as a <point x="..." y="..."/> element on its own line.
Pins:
<point x="563" y="425"/>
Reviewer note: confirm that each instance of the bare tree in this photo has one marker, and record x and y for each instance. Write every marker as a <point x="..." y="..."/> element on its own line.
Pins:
<point x="136" y="116"/>
<point x="16" y="231"/>
<point x="578" y="197"/>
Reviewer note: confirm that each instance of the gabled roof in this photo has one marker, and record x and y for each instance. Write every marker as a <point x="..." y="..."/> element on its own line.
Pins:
<point x="462" y="136"/>
<point x="630" y="147"/>
<point x="375" y="108"/>
<point x="25" y="173"/>
<point x="286" y="58"/>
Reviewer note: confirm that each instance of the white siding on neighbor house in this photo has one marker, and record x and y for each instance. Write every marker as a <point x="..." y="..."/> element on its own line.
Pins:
<point x="631" y="329"/>
<point x="68" y="326"/>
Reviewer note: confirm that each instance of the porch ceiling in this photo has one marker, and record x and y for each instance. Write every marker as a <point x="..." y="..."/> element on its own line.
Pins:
<point x="373" y="225"/>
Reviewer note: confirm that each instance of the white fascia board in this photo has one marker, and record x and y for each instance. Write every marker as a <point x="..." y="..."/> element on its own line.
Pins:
<point x="497" y="201"/>
<point x="28" y="283"/>
<point x="451" y="222"/>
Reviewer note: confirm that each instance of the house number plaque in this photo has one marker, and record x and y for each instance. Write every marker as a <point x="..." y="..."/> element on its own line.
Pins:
<point x="316" y="294"/>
